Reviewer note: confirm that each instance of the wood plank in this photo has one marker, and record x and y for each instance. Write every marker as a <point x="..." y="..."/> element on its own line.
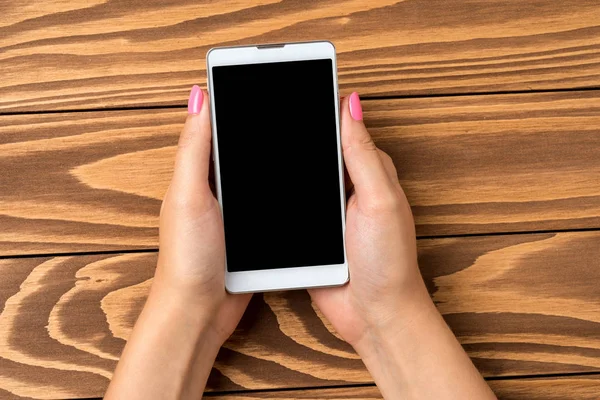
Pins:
<point x="92" y="54"/>
<point x="94" y="181"/>
<point x="560" y="388"/>
<point x="578" y="387"/>
<point x="520" y="305"/>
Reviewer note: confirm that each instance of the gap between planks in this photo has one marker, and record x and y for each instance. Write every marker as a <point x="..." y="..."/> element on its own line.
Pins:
<point x="365" y="98"/>
<point x="371" y="385"/>
<point x="155" y="250"/>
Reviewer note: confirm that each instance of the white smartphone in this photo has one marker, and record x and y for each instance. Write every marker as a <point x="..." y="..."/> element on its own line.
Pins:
<point x="278" y="165"/>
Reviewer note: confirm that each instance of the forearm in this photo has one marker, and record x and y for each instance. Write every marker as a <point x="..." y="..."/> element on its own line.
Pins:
<point x="419" y="358"/>
<point x="170" y="352"/>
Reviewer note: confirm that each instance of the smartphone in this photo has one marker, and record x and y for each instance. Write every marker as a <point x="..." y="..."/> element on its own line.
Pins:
<point x="278" y="165"/>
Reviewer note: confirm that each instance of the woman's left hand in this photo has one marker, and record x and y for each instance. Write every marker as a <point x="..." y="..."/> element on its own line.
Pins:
<point x="191" y="262"/>
<point x="188" y="314"/>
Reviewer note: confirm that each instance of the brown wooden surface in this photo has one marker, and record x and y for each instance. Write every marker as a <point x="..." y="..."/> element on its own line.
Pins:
<point x="581" y="388"/>
<point x="521" y="304"/>
<point x="94" y="181"/>
<point x="65" y="320"/>
<point x="89" y="54"/>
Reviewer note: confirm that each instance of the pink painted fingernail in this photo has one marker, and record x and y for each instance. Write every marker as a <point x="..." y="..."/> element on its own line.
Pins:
<point x="195" y="100"/>
<point x="355" y="108"/>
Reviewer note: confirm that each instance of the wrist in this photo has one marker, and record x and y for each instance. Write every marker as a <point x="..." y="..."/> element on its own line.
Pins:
<point x="199" y="291"/>
<point x="184" y="311"/>
<point x="390" y="351"/>
<point x="170" y="351"/>
<point x="205" y="300"/>
<point x="412" y="313"/>
<point x="420" y="357"/>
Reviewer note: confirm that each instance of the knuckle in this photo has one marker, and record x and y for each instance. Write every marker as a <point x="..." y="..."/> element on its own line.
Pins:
<point x="366" y="142"/>
<point x="185" y="139"/>
<point x="188" y="133"/>
<point x="189" y="204"/>
<point x="180" y="206"/>
<point x="182" y="203"/>
<point x="384" y="203"/>
<point x="360" y="140"/>
<point x="385" y="157"/>
<point x="388" y="164"/>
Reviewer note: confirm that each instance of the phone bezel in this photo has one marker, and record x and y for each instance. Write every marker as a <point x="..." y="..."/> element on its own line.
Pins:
<point x="281" y="278"/>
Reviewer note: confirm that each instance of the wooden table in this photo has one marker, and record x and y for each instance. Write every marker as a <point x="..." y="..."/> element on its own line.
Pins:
<point x="490" y="109"/>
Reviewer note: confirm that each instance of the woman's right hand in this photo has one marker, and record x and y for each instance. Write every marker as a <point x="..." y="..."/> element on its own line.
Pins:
<point x="385" y="312"/>
<point x="385" y="283"/>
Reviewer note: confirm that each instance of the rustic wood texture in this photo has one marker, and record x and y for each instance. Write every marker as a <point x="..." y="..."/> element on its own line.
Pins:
<point x="90" y="54"/>
<point x="94" y="181"/>
<point x="580" y="388"/>
<point x="523" y="304"/>
<point x="64" y="320"/>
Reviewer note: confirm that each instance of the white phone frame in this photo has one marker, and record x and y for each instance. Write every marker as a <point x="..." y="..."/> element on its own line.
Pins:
<point x="281" y="278"/>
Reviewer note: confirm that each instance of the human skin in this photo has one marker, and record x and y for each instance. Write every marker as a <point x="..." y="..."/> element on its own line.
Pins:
<point x="384" y="312"/>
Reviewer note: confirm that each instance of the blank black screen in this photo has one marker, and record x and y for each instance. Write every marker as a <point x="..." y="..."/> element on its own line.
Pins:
<point x="278" y="162"/>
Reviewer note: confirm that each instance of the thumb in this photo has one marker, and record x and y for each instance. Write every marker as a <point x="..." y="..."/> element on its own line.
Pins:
<point x="190" y="177"/>
<point x="365" y="167"/>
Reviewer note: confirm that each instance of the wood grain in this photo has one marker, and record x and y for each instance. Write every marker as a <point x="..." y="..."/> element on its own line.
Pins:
<point x="94" y="181"/>
<point x="94" y="54"/>
<point x="519" y="304"/>
<point x="580" y="387"/>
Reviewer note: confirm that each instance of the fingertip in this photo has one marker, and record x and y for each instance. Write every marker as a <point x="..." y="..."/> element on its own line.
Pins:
<point x="205" y="111"/>
<point x="346" y="120"/>
<point x="193" y="154"/>
<point x="364" y="166"/>
<point x="354" y="132"/>
<point x="195" y="100"/>
<point x="198" y="119"/>
<point x="351" y="115"/>
<point x="355" y="107"/>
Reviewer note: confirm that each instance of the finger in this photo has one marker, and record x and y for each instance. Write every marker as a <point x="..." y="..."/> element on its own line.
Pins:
<point x="389" y="166"/>
<point x="211" y="176"/>
<point x="348" y="185"/>
<point x="190" y="178"/>
<point x="327" y="298"/>
<point x="364" y="165"/>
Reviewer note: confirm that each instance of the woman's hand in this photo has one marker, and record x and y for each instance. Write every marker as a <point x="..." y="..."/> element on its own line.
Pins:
<point x="188" y="314"/>
<point x="385" y="312"/>
<point x="385" y="282"/>
<point x="191" y="261"/>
